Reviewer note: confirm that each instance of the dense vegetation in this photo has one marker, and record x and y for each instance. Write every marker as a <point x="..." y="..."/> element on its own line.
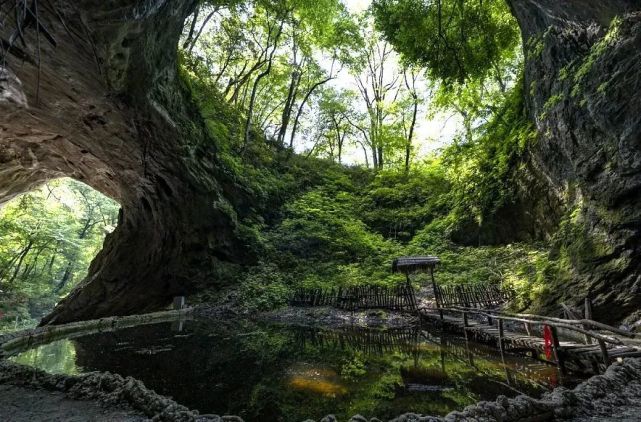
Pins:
<point x="323" y="115"/>
<point x="319" y="222"/>
<point x="47" y="239"/>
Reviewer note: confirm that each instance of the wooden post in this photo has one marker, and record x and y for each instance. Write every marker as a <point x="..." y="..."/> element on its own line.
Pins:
<point x="528" y="328"/>
<point x="465" y="325"/>
<point x="436" y="298"/>
<point x="500" y="321"/>
<point x="556" y="351"/>
<point x="588" y="307"/>
<point x="588" y="315"/>
<point x="604" y="353"/>
<point x="179" y="302"/>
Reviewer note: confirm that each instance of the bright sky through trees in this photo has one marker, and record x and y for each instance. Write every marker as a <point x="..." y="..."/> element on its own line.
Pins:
<point x="432" y="132"/>
<point x="322" y="78"/>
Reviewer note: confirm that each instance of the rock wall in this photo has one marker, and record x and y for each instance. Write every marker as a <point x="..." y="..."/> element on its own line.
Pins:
<point x="105" y="106"/>
<point x="582" y="78"/>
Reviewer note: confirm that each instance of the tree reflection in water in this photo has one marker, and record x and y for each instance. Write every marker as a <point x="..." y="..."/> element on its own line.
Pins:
<point x="284" y="373"/>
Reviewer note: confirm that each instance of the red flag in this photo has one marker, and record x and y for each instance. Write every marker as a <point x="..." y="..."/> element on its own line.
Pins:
<point x="547" y="338"/>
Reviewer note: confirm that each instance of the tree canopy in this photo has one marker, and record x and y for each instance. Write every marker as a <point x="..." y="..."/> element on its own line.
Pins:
<point x="455" y="40"/>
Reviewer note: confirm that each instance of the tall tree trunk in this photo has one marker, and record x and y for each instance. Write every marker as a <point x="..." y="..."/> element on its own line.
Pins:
<point x="200" y="31"/>
<point x="302" y="105"/>
<point x="66" y="277"/>
<point x="289" y="104"/>
<point x="192" y="27"/>
<point x="20" y="260"/>
<point x="410" y="134"/>
<point x="292" y="92"/>
<point x="252" y="99"/>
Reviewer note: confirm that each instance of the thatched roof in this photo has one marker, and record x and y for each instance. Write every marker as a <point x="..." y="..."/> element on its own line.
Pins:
<point x="410" y="264"/>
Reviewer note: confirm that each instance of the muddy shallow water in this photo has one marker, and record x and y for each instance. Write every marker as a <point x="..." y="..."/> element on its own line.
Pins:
<point x="267" y="372"/>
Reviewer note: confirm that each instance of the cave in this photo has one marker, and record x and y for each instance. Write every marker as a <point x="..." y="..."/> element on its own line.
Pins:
<point x="95" y="96"/>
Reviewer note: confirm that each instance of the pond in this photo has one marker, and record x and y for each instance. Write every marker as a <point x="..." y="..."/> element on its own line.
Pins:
<point x="265" y="372"/>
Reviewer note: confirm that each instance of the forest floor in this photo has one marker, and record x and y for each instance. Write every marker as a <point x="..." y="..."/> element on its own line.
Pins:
<point x="19" y="404"/>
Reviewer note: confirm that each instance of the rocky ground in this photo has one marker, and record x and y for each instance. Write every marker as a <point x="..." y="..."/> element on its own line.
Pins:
<point x="33" y="395"/>
<point x="18" y="404"/>
<point x="330" y="317"/>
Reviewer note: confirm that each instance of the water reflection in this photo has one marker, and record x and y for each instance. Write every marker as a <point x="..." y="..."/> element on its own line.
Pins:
<point x="58" y="357"/>
<point x="277" y="373"/>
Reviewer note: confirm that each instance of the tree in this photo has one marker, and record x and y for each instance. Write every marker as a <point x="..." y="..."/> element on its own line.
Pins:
<point x="455" y="40"/>
<point x="376" y="80"/>
<point x="409" y="77"/>
<point x="49" y="236"/>
<point x="334" y="109"/>
<point x="264" y="56"/>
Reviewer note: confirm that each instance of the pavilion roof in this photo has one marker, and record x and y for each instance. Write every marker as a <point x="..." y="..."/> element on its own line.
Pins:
<point x="411" y="264"/>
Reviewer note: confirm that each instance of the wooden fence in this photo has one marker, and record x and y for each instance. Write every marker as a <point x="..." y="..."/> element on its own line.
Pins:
<point x="483" y="295"/>
<point x="366" y="340"/>
<point x="399" y="297"/>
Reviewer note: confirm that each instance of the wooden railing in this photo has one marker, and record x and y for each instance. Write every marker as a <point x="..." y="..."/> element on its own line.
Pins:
<point x="580" y="326"/>
<point x="470" y="295"/>
<point x="400" y="297"/>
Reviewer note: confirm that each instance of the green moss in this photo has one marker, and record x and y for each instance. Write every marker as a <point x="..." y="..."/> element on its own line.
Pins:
<point x="535" y="45"/>
<point x="598" y="49"/>
<point x="565" y="72"/>
<point x="552" y="102"/>
<point x="602" y="88"/>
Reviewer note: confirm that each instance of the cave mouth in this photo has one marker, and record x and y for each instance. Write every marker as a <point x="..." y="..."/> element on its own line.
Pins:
<point x="48" y="238"/>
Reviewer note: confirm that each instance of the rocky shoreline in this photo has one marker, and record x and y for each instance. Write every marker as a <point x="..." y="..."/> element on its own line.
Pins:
<point x="611" y="396"/>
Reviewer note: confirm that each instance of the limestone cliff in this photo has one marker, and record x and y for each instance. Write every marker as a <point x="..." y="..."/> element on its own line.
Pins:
<point x="582" y="79"/>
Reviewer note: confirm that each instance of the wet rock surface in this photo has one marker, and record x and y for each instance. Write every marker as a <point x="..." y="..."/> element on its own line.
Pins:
<point x="109" y="390"/>
<point x="611" y="396"/>
<point x="582" y="77"/>
<point x="55" y="406"/>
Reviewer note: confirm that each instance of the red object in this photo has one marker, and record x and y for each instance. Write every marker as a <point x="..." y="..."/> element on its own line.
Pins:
<point x="547" y="338"/>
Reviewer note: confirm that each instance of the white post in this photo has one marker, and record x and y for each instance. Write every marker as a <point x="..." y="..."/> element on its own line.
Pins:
<point x="179" y="302"/>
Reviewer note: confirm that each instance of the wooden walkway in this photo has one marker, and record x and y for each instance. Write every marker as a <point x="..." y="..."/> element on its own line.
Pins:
<point x="573" y="342"/>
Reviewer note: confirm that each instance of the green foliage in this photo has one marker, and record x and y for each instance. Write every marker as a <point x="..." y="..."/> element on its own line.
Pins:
<point x="321" y="224"/>
<point x="583" y="67"/>
<point x="397" y="203"/>
<point x="315" y="223"/>
<point x="483" y="170"/>
<point x="454" y="40"/>
<point x="47" y="239"/>
<point x="264" y="288"/>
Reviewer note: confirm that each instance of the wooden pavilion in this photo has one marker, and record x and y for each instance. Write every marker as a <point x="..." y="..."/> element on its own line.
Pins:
<point x="414" y="264"/>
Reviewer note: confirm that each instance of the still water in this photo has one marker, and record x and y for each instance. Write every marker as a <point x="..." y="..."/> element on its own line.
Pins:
<point x="267" y="372"/>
